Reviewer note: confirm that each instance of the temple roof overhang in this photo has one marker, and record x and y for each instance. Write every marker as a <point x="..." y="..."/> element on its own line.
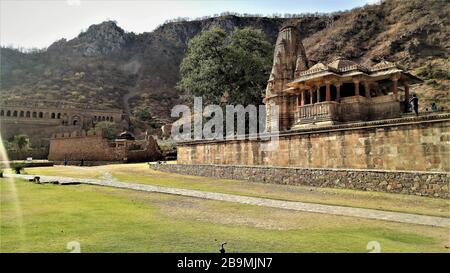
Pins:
<point x="341" y="70"/>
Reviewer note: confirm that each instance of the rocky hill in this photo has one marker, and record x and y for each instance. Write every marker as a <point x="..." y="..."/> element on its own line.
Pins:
<point x="110" y="67"/>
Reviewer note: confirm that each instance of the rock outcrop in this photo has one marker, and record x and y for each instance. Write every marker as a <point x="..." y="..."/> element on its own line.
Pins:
<point x="414" y="33"/>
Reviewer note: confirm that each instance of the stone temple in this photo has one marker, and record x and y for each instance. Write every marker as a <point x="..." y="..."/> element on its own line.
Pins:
<point x="331" y="93"/>
<point x="341" y="125"/>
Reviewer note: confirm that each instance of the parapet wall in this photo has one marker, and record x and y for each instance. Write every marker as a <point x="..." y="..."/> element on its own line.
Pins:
<point x="406" y="155"/>
<point x="86" y="147"/>
<point x="91" y="146"/>
<point x="433" y="184"/>
<point x="414" y="144"/>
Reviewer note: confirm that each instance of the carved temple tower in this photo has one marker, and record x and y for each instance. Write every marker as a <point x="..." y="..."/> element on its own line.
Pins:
<point x="289" y="60"/>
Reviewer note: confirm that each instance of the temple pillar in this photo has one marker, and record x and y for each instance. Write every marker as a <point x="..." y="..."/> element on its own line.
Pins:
<point x="302" y="98"/>
<point x="318" y="92"/>
<point x="338" y="91"/>
<point x="356" y="83"/>
<point x="406" y="86"/>
<point x="395" y="87"/>
<point x="367" y="88"/>
<point x="311" y="94"/>
<point x="327" y="92"/>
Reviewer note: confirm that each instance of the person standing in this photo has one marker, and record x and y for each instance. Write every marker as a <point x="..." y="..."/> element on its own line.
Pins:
<point x="415" y="104"/>
<point x="434" y="107"/>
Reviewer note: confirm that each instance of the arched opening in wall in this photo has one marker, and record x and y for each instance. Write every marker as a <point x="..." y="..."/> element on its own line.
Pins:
<point x="34" y="115"/>
<point x="2" y="113"/>
<point x="28" y="114"/>
<point x="111" y="119"/>
<point x="347" y="89"/>
<point x="41" y="115"/>
<point x="53" y="115"/>
<point x="15" y="114"/>
<point x="22" y="114"/>
<point x="58" y="116"/>
<point x="103" y="118"/>
<point x="8" y="114"/>
<point x="75" y="122"/>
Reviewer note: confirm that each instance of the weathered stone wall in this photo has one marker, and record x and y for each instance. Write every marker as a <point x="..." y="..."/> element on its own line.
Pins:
<point x="91" y="147"/>
<point x="416" y="144"/>
<point x="41" y="119"/>
<point x="38" y="131"/>
<point x="88" y="148"/>
<point x="433" y="184"/>
<point x="23" y="155"/>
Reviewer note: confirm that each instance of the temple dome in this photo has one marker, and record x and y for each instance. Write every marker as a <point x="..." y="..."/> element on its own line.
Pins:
<point x="318" y="66"/>
<point x="340" y="63"/>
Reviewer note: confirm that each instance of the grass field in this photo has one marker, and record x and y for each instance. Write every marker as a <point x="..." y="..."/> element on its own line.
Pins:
<point x="140" y="173"/>
<point x="47" y="217"/>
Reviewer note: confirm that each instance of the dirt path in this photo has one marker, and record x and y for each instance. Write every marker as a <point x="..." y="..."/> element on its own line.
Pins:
<point x="290" y="205"/>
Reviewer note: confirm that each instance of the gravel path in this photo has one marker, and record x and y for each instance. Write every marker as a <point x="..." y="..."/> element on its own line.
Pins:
<point x="291" y="205"/>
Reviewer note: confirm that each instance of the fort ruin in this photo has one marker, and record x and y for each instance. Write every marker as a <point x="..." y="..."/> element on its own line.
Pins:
<point x="39" y="120"/>
<point x="93" y="148"/>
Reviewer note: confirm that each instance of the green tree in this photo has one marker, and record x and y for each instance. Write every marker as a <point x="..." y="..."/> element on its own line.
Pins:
<point x="21" y="141"/>
<point x="237" y="63"/>
<point x="109" y="129"/>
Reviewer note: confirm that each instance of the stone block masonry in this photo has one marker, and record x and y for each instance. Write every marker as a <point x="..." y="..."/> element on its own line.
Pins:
<point x="94" y="149"/>
<point x="414" y="144"/>
<point x="407" y="155"/>
<point x="432" y="184"/>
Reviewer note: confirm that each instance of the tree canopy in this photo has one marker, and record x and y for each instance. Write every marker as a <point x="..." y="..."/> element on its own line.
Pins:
<point x="21" y="141"/>
<point x="235" y="64"/>
<point x="109" y="129"/>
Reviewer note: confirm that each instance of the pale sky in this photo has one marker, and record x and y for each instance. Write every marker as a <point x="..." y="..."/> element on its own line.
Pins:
<point x="29" y="23"/>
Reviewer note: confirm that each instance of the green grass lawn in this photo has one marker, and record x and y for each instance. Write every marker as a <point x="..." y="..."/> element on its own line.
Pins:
<point x="44" y="218"/>
<point x="140" y="173"/>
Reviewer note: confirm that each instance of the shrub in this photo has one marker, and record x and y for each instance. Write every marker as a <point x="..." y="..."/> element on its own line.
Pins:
<point x="432" y="82"/>
<point x="17" y="167"/>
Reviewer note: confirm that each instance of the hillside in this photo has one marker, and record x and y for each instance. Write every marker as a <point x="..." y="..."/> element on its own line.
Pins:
<point x="109" y="67"/>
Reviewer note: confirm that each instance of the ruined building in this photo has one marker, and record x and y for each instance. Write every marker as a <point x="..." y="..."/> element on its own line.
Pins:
<point x="41" y="119"/>
<point x="94" y="149"/>
<point x="332" y="93"/>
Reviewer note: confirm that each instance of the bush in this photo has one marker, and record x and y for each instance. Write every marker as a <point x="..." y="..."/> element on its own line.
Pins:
<point x="17" y="167"/>
<point x="433" y="83"/>
<point x="110" y="130"/>
<point x="432" y="72"/>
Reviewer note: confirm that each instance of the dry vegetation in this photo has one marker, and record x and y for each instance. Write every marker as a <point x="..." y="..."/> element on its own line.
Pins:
<point x="104" y="63"/>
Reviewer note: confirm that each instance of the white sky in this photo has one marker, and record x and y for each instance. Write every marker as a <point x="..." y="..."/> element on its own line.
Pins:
<point x="35" y="23"/>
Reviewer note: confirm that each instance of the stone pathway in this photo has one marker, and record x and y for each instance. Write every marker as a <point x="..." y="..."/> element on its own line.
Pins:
<point x="290" y="205"/>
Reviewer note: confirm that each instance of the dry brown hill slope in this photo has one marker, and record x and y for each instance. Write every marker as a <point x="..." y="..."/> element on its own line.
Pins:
<point x="105" y="63"/>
